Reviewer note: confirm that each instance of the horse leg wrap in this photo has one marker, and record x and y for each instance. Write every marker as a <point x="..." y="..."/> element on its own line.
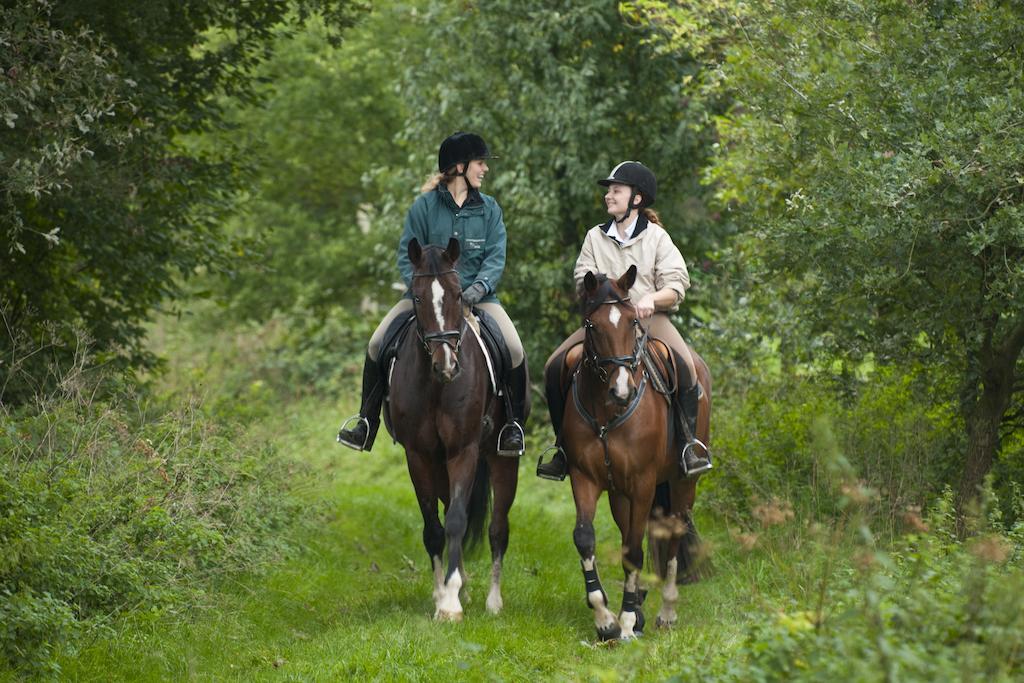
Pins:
<point x="631" y="601"/>
<point x="593" y="584"/>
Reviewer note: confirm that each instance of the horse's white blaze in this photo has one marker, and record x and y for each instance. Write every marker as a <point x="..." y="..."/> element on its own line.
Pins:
<point x="438" y="291"/>
<point x="669" y="595"/>
<point x="614" y="316"/>
<point x="449" y="607"/>
<point x="622" y="383"/>
<point x="494" y="601"/>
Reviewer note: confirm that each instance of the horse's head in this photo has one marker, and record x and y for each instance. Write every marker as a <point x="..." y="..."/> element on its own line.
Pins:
<point x="437" y="300"/>
<point x="613" y="336"/>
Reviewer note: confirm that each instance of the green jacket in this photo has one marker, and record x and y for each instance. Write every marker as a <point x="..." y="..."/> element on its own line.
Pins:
<point x="478" y="225"/>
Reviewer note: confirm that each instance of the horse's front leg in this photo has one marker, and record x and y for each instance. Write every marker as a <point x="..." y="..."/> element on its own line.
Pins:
<point x="423" y="473"/>
<point x="461" y="472"/>
<point x="631" y="517"/>
<point x="586" y="492"/>
<point x="504" y="481"/>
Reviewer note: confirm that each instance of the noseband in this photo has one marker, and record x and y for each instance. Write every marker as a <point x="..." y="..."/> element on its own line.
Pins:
<point x="597" y="362"/>
<point x="450" y="338"/>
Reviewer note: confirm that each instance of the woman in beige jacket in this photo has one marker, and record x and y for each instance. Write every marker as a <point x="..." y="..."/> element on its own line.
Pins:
<point x="633" y="236"/>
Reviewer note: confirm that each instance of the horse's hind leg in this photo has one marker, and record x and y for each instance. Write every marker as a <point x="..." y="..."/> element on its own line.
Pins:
<point x="585" y="493"/>
<point x="504" y="481"/>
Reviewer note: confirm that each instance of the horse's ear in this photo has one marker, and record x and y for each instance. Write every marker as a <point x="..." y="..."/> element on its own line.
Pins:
<point x="415" y="251"/>
<point x="453" y="250"/>
<point x="590" y="282"/>
<point x="626" y="281"/>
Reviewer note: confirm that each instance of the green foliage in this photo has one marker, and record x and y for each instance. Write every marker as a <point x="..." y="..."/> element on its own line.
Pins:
<point x="326" y="113"/>
<point x="874" y="149"/>
<point x="102" y="206"/>
<point x="116" y="506"/>
<point x="926" y="609"/>
<point x="796" y="440"/>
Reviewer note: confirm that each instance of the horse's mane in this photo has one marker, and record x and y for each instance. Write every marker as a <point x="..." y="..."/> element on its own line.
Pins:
<point x="605" y="292"/>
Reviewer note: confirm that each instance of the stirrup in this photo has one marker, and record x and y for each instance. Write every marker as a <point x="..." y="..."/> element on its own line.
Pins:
<point x="344" y="427"/>
<point x="555" y="449"/>
<point x="688" y="473"/>
<point x="522" y="439"/>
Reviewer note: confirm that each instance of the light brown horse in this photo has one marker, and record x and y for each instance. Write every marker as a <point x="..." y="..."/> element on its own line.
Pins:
<point x="443" y="410"/>
<point x="618" y="437"/>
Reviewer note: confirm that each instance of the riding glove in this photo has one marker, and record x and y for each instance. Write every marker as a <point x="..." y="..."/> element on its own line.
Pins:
<point x="471" y="295"/>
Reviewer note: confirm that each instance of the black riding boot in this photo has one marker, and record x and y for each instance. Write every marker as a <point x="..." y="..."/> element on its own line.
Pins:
<point x="695" y="457"/>
<point x="558" y="466"/>
<point x="510" y="440"/>
<point x="362" y="435"/>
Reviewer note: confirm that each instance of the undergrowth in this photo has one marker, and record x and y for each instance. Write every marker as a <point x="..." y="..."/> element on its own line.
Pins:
<point x="112" y="503"/>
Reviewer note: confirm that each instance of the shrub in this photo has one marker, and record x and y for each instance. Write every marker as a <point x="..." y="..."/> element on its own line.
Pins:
<point x="113" y="505"/>
<point x="927" y="608"/>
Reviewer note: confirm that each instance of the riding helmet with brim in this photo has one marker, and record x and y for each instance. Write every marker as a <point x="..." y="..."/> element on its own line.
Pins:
<point x="637" y="176"/>
<point x="461" y="148"/>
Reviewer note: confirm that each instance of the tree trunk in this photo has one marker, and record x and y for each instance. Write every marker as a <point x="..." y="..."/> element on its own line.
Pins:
<point x="983" y="417"/>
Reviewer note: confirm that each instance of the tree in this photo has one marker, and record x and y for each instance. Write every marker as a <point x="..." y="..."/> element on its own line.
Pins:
<point x="326" y="115"/>
<point x="876" y="149"/>
<point x="103" y="208"/>
<point x="562" y="91"/>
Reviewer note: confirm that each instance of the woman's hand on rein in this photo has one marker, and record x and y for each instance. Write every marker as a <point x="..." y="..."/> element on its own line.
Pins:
<point x="645" y="306"/>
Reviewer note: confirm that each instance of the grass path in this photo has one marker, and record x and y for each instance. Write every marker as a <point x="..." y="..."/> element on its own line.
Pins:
<point x="356" y="602"/>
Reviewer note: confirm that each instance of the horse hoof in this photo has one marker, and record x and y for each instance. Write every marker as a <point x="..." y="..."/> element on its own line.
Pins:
<point x="609" y="632"/>
<point x="664" y="623"/>
<point x="442" y="615"/>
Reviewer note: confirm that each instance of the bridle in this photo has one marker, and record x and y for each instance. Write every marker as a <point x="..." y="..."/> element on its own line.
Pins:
<point x="450" y="338"/>
<point x="597" y="362"/>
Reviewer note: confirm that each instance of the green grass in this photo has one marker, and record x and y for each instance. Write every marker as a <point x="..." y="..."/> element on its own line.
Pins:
<point x="356" y="603"/>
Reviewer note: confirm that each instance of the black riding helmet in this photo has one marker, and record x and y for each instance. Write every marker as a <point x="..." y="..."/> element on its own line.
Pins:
<point x="461" y="148"/>
<point x="640" y="178"/>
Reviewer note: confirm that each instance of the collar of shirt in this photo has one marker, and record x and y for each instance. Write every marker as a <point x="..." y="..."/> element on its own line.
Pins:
<point x="614" y="232"/>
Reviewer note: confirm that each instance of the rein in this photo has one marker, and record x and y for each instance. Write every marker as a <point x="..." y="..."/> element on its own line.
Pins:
<point x="597" y="363"/>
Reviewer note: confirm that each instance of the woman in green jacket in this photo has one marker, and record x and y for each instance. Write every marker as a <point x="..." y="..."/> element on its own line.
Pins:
<point x="452" y="205"/>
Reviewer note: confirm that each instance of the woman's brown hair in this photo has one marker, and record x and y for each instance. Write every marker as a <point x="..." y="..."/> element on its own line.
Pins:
<point x="652" y="215"/>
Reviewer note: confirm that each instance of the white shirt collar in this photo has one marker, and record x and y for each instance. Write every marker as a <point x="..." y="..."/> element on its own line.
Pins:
<point x="614" y="232"/>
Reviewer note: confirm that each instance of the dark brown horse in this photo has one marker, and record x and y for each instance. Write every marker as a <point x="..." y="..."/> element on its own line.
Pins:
<point x="618" y="438"/>
<point x="444" y="411"/>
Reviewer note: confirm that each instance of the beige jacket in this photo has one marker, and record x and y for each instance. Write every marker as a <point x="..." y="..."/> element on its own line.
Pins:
<point x="658" y="261"/>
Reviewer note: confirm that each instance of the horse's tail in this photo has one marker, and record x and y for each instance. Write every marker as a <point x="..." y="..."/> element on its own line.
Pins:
<point x="479" y="505"/>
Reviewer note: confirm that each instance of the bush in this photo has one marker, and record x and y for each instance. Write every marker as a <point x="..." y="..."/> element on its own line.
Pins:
<point x="798" y="439"/>
<point x="113" y="505"/>
<point x="929" y="608"/>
